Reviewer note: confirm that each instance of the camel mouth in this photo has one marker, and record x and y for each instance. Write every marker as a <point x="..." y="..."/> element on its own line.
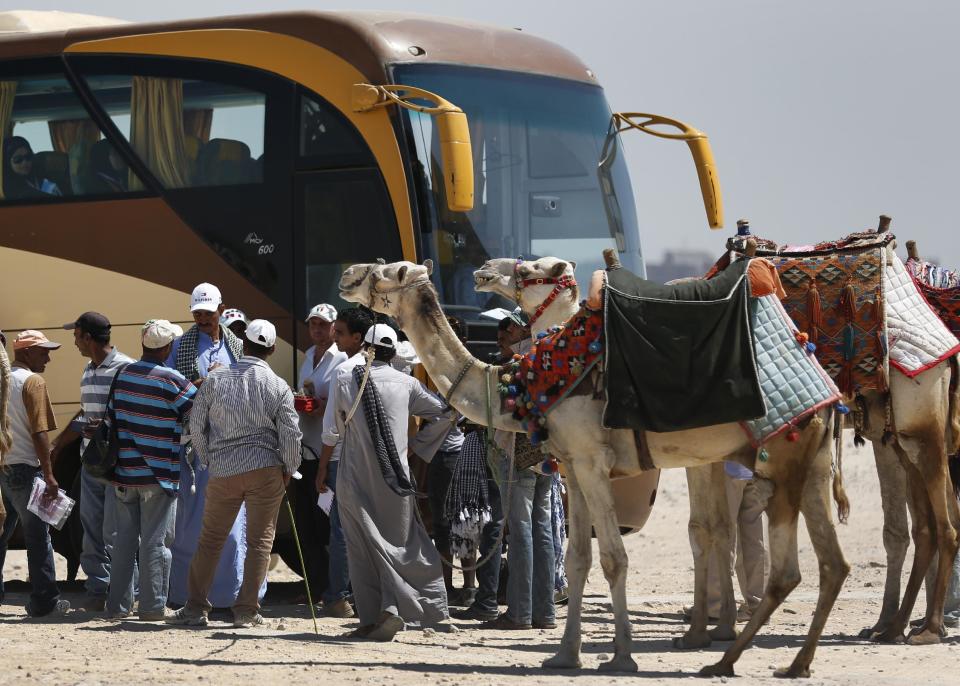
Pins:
<point x="351" y="280"/>
<point x="483" y="279"/>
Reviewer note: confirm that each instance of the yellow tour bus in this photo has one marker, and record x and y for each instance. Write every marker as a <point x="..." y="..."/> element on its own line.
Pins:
<point x="265" y="153"/>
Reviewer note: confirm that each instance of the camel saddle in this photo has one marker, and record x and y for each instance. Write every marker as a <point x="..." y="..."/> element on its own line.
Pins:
<point x="941" y="288"/>
<point x="679" y="356"/>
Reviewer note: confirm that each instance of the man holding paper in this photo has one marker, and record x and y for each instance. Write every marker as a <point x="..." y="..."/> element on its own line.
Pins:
<point x="31" y="419"/>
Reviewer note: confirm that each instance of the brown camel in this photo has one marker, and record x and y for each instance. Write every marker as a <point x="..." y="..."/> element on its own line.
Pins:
<point x="797" y="475"/>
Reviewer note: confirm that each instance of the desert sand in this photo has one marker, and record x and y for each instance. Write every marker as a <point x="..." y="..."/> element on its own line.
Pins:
<point x="84" y="649"/>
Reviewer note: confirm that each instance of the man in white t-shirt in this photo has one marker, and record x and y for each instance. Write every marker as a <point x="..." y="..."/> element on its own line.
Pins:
<point x="319" y="366"/>
<point x="31" y="418"/>
<point x="349" y="329"/>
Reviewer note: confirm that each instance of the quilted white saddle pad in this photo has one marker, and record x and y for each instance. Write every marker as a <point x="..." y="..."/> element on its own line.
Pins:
<point x="793" y="382"/>
<point x="916" y="337"/>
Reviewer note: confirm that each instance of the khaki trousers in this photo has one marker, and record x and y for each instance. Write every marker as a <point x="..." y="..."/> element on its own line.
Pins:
<point x="748" y="552"/>
<point x="262" y="490"/>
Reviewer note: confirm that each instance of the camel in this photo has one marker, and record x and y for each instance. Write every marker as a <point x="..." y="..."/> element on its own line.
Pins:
<point x="922" y="409"/>
<point x="798" y="474"/>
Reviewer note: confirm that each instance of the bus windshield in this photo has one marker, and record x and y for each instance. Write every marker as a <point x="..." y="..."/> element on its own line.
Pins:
<point x="537" y="143"/>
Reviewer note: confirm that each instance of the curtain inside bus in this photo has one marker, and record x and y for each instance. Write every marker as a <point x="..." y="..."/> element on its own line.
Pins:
<point x="8" y="91"/>
<point x="67" y="133"/>
<point x="156" y="129"/>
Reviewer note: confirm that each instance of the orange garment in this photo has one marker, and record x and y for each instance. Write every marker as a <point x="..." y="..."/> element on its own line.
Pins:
<point x="764" y="279"/>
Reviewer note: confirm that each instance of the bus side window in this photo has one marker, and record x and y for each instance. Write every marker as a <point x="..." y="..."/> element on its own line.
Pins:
<point x="188" y="132"/>
<point x="52" y="148"/>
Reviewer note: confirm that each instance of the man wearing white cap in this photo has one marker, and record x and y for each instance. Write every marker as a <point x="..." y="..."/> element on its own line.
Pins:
<point x="245" y="432"/>
<point x="394" y="567"/>
<point x="205" y="346"/>
<point x="148" y="407"/>
<point x="31" y="418"/>
<point x="318" y="368"/>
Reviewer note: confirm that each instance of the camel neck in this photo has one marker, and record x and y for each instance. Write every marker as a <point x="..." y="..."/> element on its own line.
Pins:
<point x="446" y="359"/>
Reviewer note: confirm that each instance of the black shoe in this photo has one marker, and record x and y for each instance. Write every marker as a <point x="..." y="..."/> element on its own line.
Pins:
<point x="473" y="612"/>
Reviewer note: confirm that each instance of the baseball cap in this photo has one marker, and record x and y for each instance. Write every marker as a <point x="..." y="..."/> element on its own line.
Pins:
<point x="382" y="335"/>
<point x="262" y="332"/>
<point x="92" y="323"/>
<point x="232" y="315"/>
<point x="33" y="338"/>
<point x="205" y="296"/>
<point x="157" y="333"/>
<point x="323" y="311"/>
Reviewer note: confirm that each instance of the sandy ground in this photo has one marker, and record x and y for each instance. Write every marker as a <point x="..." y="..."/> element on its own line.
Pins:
<point x="82" y="649"/>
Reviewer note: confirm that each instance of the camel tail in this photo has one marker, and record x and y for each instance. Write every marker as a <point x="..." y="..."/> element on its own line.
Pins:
<point x="839" y="492"/>
<point x="6" y="439"/>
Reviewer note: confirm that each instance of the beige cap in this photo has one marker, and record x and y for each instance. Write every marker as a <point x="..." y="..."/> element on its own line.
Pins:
<point x="158" y="333"/>
<point x="33" y="338"/>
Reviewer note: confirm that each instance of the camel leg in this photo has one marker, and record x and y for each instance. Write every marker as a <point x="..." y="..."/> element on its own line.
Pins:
<point x="943" y="509"/>
<point x="786" y="473"/>
<point x="594" y="482"/>
<point x="698" y="486"/>
<point x="923" y="530"/>
<point x="896" y="531"/>
<point x="579" y="558"/>
<point x="818" y="515"/>
<point x="783" y="510"/>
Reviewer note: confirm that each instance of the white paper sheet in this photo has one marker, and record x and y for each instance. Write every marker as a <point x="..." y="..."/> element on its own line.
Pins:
<point x="325" y="501"/>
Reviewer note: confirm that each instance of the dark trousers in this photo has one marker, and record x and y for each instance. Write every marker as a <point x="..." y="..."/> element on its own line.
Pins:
<point x="488" y="574"/>
<point x="439" y="474"/>
<point x="313" y="526"/>
<point x="16" y="481"/>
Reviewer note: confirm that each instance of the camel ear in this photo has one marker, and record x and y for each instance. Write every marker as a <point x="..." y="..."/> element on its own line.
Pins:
<point x="428" y="263"/>
<point x="573" y="265"/>
<point x="380" y="260"/>
<point x="401" y="274"/>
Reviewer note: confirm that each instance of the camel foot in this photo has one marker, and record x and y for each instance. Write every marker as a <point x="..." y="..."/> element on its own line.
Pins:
<point x="890" y="635"/>
<point x="720" y="669"/>
<point x="620" y="663"/>
<point x="924" y="638"/>
<point x="793" y="672"/>
<point x="692" y="641"/>
<point x="723" y="633"/>
<point x="921" y="628"/>
<point x="870" y="633"/>
<point x="562" y="661"/>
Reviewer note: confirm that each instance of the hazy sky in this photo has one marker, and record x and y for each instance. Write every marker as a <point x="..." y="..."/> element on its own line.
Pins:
<point x="822" y="114"/>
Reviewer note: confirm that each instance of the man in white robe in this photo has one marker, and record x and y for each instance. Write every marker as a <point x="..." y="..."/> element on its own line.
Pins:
<point x="395" y="570"/>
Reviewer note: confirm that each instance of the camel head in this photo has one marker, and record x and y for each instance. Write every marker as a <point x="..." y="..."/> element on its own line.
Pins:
<point x="503" y="274"/>
<point x="376" y="285"/>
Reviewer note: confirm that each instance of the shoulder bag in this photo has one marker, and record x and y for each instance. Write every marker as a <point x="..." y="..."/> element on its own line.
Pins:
<point x="100" y="457"/>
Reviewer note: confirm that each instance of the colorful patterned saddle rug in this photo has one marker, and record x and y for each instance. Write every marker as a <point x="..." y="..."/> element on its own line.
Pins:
<point x="555" y="365"/>
<point x="835" y="295"/>
<point x="941" y="288"/>
<point x="857" y="302"/>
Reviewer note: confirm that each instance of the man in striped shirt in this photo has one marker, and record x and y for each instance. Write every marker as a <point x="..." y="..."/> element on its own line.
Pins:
<point x="98" y="507"/>
<point x="149" y="404"/>
<point x="244" y="429"/>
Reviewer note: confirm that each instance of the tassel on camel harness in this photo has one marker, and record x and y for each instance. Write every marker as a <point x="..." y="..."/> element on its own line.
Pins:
<point x="839" y="493"/>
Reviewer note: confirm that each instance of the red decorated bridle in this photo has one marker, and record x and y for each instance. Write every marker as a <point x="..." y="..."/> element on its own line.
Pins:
<point x="559" y="286"/>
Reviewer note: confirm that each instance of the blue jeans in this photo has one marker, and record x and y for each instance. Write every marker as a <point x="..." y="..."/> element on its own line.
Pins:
<point x="488" y="574"/>
<point x="17" y="481"/>
<point x="145" y="519"/>
<point x="338" y="585"/>
<point x="531" y="558"/>
<point x="98" y="514"/>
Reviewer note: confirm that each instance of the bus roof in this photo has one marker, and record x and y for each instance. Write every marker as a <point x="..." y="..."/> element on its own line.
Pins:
<point x="370" y="41"/>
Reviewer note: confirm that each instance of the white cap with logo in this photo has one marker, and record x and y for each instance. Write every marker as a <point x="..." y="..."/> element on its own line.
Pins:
<point x="206" y="297"/>
<point x="158" y="333"/>
<point x="232" y="315"/>
<point x="323" y="311"/>
<point x="262" y="332"/>
<point x="382" y="335"/>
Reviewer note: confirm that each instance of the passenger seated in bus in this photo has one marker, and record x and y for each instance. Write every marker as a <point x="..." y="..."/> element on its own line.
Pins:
<point x="19" y="178"/>
<point x="107" y="171"/>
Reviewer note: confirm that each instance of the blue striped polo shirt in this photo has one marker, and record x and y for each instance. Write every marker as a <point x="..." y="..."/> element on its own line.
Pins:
<point x="150" y="402"/>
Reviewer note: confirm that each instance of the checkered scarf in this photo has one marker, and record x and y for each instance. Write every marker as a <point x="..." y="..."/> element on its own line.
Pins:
<point x="186" y="361"/>
<point x="467" y="506"/>
<point x="379" y="425"/>
<point x="559" y="521"/>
